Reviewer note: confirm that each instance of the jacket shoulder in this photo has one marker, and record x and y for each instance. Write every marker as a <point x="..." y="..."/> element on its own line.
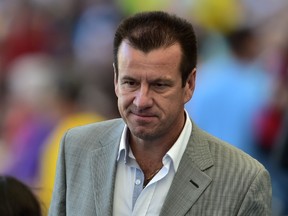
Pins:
<point x="95" y="133"/>
<point x="241" y="180"/>
<point x="98" y="126"/>
<point x="223" y="154"/>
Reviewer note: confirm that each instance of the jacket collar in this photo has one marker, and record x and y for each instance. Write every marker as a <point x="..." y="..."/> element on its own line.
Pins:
<point x="188" y="184"/>
<point x="103" y="168"/>
<point x="190" y="180"/>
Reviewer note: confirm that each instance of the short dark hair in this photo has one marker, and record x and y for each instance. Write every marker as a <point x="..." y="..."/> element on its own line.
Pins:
<point x="151" y="30"/>
<point x="17" y="199"/>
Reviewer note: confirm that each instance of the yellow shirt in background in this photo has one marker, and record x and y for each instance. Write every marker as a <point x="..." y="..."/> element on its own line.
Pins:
<point x="50" y="154"/>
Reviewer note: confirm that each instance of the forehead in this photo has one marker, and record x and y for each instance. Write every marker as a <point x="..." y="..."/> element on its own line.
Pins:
<point x="165" y="58"/>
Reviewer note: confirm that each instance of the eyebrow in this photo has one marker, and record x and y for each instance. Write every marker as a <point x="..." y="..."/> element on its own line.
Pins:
<point x="163" y="79"/>
<point x="126" y="77"/>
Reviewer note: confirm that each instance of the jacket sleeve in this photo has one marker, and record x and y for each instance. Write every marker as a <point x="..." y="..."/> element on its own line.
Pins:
<point x="259" y="196"/>
<point x="58" y="203"/>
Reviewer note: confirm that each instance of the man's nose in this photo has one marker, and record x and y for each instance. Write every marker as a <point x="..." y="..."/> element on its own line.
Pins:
<point x="143" y="98"/>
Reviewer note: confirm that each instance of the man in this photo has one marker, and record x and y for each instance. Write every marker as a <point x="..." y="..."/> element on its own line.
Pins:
<point x="155" y="161"/>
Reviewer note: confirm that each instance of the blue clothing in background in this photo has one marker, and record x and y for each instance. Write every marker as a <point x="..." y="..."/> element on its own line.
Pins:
<point x="228" y="94"/>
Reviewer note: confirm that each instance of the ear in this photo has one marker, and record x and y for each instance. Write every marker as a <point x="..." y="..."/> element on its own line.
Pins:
<point x="115" y="81"/>
<point x="190" y="85"/>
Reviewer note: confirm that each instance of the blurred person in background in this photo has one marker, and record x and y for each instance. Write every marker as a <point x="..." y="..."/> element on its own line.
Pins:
<point x="17" y="199"/>
<point x="270" y="131"/>
<point x="233" y="86"/>
<point x="71" y="113"/>
<point x="93" y="49"/>
<point x="24" y="29"/>
<point x="30" y="114"/>
<point x="269" y="121"/>
<point x="155" y="158"/>
<point x="27" y="29"/>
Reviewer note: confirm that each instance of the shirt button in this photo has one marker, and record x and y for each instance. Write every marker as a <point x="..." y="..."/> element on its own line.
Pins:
<point x="138" y="181"/>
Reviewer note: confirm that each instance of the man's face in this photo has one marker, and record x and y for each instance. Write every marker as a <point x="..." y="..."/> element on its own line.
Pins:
<point x="149" y="89"/>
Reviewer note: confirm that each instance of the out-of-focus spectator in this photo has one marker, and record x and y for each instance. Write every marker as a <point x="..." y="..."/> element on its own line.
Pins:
<point x="28" y="32"/>
<point x="231" y="87"/>
<point x="271" y="127"/>
<point x="17" y="199"/>
<point x="93" y="35"/>
<point x="270" y="119"/>
<point x="30" y="113"/>
<point x="268" y="122"/>
<point x="71" y="114"/>
<point x="92" y="45"/>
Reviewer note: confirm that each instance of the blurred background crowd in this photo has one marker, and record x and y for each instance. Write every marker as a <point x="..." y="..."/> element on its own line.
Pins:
<point x="56" y="73"/>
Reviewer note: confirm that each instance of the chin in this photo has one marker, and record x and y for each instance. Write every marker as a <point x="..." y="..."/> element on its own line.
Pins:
<point x="144" y="134"/>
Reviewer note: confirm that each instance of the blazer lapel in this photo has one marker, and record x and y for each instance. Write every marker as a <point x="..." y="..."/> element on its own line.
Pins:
<point x="190" y="181"/>
<point x="103" y="169"/>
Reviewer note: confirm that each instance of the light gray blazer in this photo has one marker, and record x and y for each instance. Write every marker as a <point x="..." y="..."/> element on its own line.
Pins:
<point x="213" y="178"/>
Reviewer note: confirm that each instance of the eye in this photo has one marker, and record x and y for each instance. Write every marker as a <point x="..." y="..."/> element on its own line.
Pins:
<point x="160" y="85"/>
<point x="129" y="83"/>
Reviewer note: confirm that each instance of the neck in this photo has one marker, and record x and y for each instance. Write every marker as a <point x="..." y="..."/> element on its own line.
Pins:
<point x="149" y="153"/>
<point x="150" y="150"/>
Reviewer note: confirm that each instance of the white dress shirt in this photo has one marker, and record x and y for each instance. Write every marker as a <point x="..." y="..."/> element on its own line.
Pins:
<point x="129" y="196"/>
